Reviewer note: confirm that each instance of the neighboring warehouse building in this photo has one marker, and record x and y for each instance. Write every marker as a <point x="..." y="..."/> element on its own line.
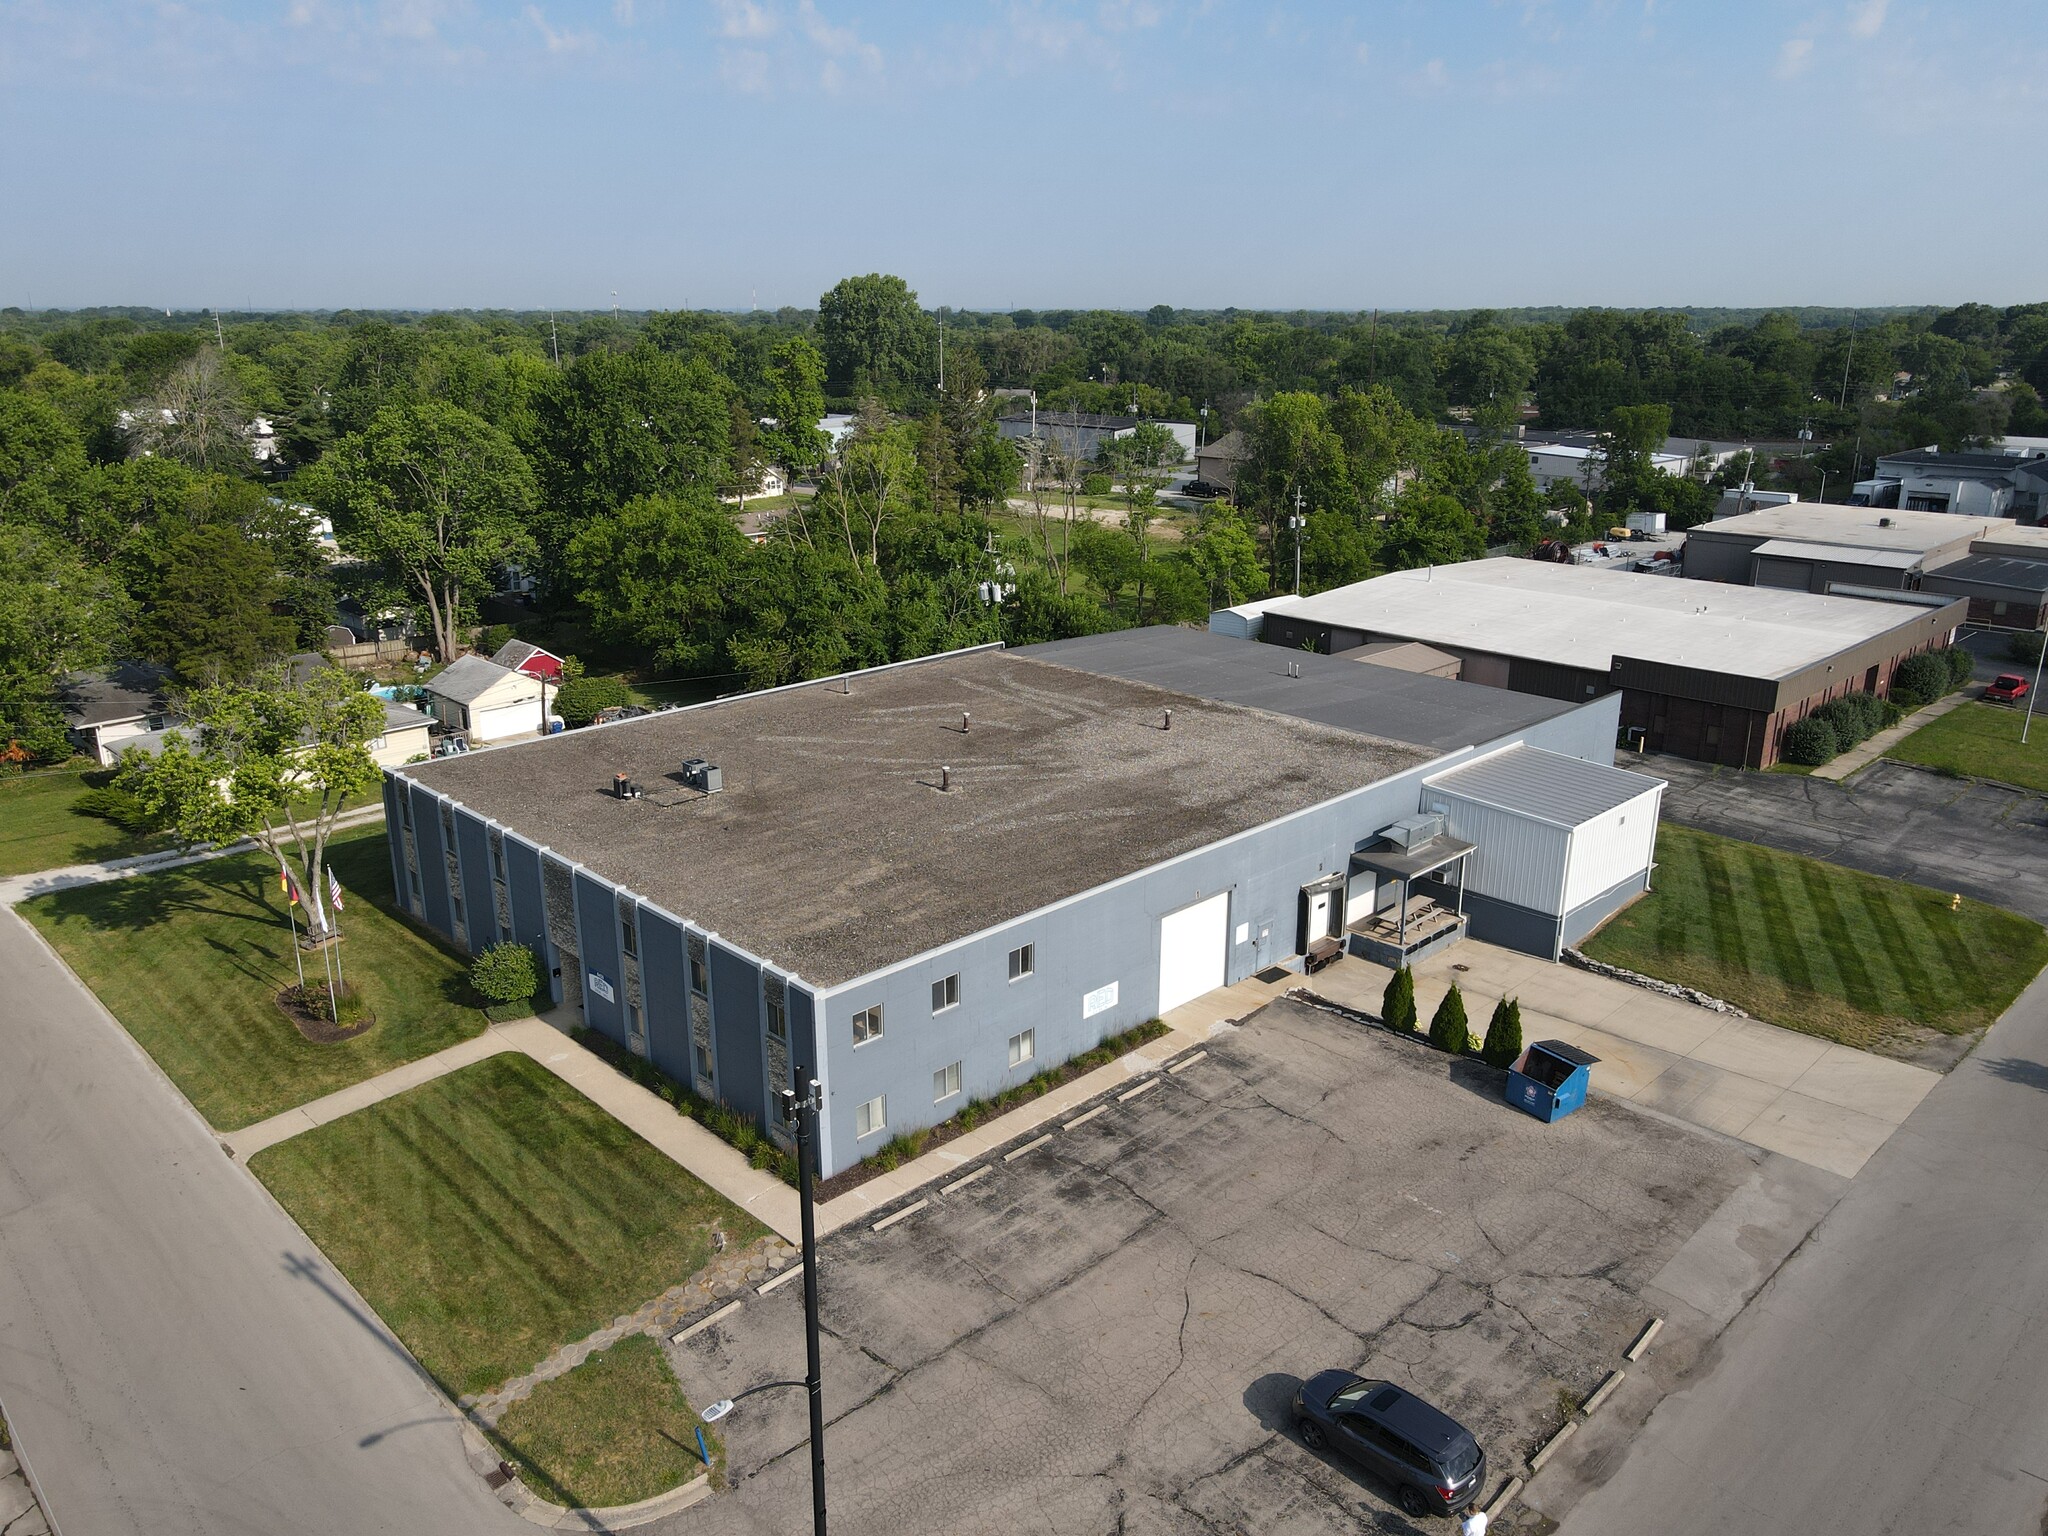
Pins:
<point x="1714" y="673"/>
<point x="1071" y="434"/>
<point x="1999" y="566"/>
<point x="2004" y="483"/>
<point x="923" y="883"/>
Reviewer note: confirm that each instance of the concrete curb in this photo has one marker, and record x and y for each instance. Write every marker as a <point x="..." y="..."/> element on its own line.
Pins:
<point x="966" y="1179"/>
<point x="683" y="1335"/>
<point x="1604" y="1391"/>
<point x="1549" y="1447"/>
<point x="1030" y="1146"/>
<point x="1145" y="1087"/>
<point x="617" y="1517"/>
<point x="903" y="1215"/>
<point x="1188" y="1061"/>
<point x="775" y="1284"/>
<point x="1083" y="1119"/>
<point x="1650" y="1331"/>
<point x="1502" y="1499"/>
<point x="28" y="1473"/>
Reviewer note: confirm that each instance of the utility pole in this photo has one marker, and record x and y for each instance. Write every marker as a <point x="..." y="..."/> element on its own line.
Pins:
<point x="218" y="336"/>
<point x="1296" y="525"/>
<point x="1843" y="403"/>
<point x="803" y="1114"/>
<point x="554" y="340"/>
<point x="942" y="355"/>
<point x="2033" y="693"/>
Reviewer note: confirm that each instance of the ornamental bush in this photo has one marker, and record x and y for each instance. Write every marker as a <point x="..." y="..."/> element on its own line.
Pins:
<point x="578" y="702"/>
<point x="119" y="806"/>
<point x="1925" y="677"/>
<point x="505" y="973"/>
<point x="1854" y="717"/>
<point x="1449" y="1029"/>
<point x="1504" y="1034"/>
<point x="1810" y="742"/>
<point x="2025" y="645"/>
<point x="1397" y="1003"/>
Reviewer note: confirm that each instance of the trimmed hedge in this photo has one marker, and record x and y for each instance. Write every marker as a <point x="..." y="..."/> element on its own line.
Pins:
<point x="579" y="700"/>
<point x="1810" y="742"/>
<point x="505" y="973"/>
<point x="1503" y="1034"/>
<point x="1397" y="1003"/>
<point x="1449" y="1029"/>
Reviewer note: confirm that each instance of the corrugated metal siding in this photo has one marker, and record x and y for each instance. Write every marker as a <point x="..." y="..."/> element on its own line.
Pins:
<point x="667" y="992"/>
<point x="597" y="943"/>
<point x="736" y="1022"/>
<point x="473" y="856"/>
<point x="1612" y="848"/>
<point x="522" y="874"/>
<point x="1546" y="784"/>
<point x="426" y="831"/>
<point x="1517" y="860"/>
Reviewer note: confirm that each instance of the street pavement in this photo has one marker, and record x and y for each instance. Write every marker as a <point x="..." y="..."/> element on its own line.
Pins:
<point x="1893" y="1378"/>
<point x="175" y="1354"/>
<point x="1904" y="823"/>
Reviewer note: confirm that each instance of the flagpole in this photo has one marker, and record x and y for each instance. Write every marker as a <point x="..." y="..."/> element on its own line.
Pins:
<point x="333" y="886"/>
<point x="316" y="910"/>
<point x="298" y="959"/>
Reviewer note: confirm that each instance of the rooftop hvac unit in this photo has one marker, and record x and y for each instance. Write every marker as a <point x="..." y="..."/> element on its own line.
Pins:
<point x="701" y="775"/>
<point x="1413" y="831"/>
<point x="624" y="788"/>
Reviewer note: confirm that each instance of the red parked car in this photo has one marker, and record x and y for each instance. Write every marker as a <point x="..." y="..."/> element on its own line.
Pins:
<point x="2006" y="688"/>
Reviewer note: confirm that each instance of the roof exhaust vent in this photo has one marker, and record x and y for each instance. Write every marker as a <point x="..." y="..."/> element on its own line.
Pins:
<point x="1167" y="724"/>
<point x="963" y="722"/>
<point x="624" y="788"/>
<point x="945" y="779"/>
<point x="701" y="775"/>
<point x="1884" y="522"/>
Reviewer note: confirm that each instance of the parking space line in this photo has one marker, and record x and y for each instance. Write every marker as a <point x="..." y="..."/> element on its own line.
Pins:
<point x="1185" y="1063"/>
<point x="966" y="1179"/>
<point x="1029" y="1146"/>
<point x="1145" y="1087"/>
<point x="784" y="1278"/>
<point x="701" y="1324"/>
<point x="1084" y="1119"/>
<point x="903" y="1215"/>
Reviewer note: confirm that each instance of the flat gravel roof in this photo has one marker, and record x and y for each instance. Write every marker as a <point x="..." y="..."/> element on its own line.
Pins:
<point x="831" y="850"/>
<point x="1821" y="522"/>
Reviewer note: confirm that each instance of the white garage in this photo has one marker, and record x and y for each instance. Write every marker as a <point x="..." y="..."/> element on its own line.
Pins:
<point x="1191" y="950"/>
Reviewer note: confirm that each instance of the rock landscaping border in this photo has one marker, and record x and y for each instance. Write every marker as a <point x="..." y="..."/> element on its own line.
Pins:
<point x="1691" y="995"/>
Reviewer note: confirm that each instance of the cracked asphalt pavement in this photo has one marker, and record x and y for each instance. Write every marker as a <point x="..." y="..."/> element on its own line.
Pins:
<point x="1904" y="823"/>
<point x="1106" y="1334"/>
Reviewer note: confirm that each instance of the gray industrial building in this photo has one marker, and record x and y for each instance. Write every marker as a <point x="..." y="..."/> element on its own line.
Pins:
<point x="1856" y="551"/>
<point x="923" y="883"/>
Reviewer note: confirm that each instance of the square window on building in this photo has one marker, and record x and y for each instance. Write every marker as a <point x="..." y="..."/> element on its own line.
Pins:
<point x="1023" y="1047"/>
<point x="412" y="879"/>
<point x="629" y="940"/>
<point x="697" y="983"/>
<point x="498" y="860"/>
<point x="871" y="1117"/>
<point x="867" y="1025"/>
<point x="455" y="901"/>
<point x="945" y="1083"/>
<point x="946" y="993"/>
<point x="704" y="1063"/>
<point x="778" y="1019"/>
<point x="1020" y="962"/>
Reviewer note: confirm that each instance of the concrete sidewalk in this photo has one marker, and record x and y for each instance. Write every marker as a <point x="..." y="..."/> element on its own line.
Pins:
<point x="1812" y="1100"/>
<point x="19" y="888"/>
<point x="1870" y="751"/>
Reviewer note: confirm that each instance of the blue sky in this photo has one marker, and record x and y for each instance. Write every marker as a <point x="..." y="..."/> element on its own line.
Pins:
<point x="716" y="153"/>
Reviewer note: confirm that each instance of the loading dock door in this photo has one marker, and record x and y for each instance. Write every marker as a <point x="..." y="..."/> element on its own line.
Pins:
<point x="1191" y="950"/>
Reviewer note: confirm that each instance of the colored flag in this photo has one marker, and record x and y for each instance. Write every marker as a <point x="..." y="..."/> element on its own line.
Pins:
<point x="334" y="888"/>
<point x="288" y="885"/>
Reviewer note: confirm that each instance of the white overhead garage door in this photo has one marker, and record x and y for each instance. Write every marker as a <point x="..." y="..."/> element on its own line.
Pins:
<point x="1191" y="950"/>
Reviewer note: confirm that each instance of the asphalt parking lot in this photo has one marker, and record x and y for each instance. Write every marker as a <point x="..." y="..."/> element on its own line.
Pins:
<point x="1105" y="1333"/>
<point x="1905" y="823"/>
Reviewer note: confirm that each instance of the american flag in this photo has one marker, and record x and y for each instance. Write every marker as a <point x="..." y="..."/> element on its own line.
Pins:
<point x="333" y="888"/>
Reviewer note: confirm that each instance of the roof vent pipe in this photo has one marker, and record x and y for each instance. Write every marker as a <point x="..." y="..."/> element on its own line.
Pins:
<point x="945" y="778"/>
<point x="1168" y="724"/>
<point x="964" y="717"/>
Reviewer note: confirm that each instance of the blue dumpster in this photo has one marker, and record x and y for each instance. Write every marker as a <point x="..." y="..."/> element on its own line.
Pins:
<point x="1550" y="1080"/>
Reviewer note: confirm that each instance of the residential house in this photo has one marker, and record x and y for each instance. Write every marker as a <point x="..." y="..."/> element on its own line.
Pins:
<point x="476" y="698"/>
<point x="521" y="656"/>
<point x="121" y="707"/>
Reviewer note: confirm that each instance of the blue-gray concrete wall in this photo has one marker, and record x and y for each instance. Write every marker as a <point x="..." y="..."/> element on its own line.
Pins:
<point x="394" y="842"/>
<point x="522" y="875"/>
<point x="666" y="985"/>
<point x="1587" y="916"/>
<point x="426" y="832"/>
<point x="736" y="1026"/>
<point x="479" y="902"/>
<point x="597" y="939"/>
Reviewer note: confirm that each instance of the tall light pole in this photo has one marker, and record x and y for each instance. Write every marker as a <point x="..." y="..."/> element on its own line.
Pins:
<point x="1295" y="523"/>
<point x="801" y="1116"/>
<point x="2034" y="692"/>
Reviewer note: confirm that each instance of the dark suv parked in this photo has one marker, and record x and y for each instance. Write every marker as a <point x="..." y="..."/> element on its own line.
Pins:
<point x="1432" y="1460"/>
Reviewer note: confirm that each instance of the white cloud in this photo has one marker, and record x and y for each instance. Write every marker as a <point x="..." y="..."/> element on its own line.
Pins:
<point x="744" y="69"/>
<point x="558" y="42"/>
<point x="836" y="42"/>
<point x="744" y="19"/>
<point x="622" y="12"/>
<point x="1794" y="54"/>
<point x="1434" y="75"/>
<point x="418" y="20"/>
<point x="1866" y="17"/>
<point x="1128" y="15"/>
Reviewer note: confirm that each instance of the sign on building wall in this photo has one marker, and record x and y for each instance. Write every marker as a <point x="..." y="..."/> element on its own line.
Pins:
<point x="1099" y="1000"/>
<point x="601" y="985"/>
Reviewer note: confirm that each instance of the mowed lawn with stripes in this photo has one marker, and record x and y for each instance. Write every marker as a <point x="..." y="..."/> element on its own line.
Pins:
<point x="1818" y="948"/>
<point x="495" y="1214"/>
